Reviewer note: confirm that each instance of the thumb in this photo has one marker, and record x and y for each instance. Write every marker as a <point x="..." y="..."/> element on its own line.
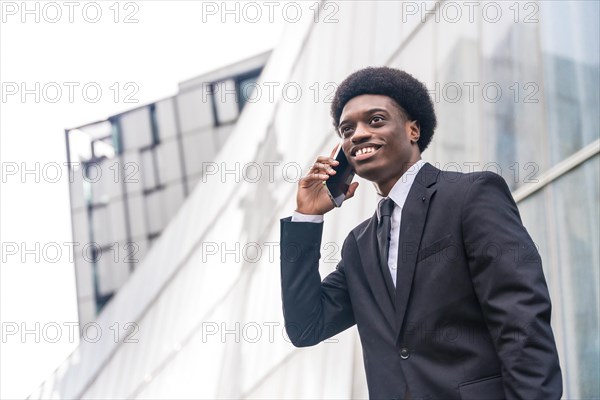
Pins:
<point x="351" y="190"/>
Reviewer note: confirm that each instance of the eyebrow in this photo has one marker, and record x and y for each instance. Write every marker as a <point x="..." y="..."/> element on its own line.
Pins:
<point x="369" y="111"/>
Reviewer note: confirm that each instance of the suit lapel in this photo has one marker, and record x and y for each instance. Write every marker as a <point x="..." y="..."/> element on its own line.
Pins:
<point x="367" y="249"/>
<point x="414" y="215"/>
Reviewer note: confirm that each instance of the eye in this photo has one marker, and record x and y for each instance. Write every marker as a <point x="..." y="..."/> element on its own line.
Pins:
<point x="345" y="130"/>
<point x="376" y="119"/>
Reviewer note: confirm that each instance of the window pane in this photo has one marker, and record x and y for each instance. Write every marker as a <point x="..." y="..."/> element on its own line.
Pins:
<point x="571" y="74"/>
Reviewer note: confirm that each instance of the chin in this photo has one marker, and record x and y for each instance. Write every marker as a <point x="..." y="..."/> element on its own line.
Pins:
<point x="372" y="174"/>
<point x="377" y="171"/>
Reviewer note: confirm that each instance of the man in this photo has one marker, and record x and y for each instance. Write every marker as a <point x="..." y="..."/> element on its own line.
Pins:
<point x="443" y="282"/>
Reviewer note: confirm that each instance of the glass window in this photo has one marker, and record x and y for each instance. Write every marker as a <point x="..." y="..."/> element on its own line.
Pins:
<point x="575" y="200"/>
<point x="225" y="98"/>
<point x="563" y="221"/>
<point x="569" y="47"/>
<point x="247" y="89"/>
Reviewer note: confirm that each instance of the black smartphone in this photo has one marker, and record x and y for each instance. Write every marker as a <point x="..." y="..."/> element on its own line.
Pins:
<point x="338" y="184"/>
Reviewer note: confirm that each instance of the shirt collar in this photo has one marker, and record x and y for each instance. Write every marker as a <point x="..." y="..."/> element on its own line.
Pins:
<point x="400" y="190"/>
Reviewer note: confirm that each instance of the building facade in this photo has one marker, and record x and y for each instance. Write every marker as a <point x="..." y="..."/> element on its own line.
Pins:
<point x="132" y="171"/>
<point x="515" y="87"/>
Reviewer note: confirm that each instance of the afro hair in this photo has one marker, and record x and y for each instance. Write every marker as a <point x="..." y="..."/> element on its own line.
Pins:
<point x="409" y="93"/>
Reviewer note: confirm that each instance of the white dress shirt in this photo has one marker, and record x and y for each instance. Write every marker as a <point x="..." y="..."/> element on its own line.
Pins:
<point x="398" y="194"/>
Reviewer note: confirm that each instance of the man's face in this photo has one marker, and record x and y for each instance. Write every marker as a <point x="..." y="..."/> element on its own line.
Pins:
<point x="377" y="138"/>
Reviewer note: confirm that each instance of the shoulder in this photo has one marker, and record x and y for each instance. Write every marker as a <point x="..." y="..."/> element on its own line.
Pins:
<point x="456" y="187"/>
<point x="456" y="180"/>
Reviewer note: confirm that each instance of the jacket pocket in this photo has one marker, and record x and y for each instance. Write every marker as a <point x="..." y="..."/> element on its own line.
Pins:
<point x="435" y="247"/>
<point x="490" y="388"/>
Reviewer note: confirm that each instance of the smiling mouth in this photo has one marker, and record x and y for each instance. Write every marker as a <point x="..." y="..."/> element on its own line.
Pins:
<point x="365" y="152"/>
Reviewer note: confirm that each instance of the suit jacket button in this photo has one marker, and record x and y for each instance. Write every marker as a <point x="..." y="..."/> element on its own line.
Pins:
<point x="404" y="353"/>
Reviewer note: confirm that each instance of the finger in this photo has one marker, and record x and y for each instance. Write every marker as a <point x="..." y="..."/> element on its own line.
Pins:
<point x="322" y="168"/>
<point x="311" y="178"/>
<point x="351" y="190"/>
<point x="327" y="160"/>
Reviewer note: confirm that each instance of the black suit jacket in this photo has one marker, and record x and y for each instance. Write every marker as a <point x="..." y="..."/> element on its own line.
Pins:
<point x="470" y="316"/>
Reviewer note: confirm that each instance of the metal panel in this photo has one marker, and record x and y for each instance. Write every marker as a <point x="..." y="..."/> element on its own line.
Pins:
<point x="137" y="251"/>
<point x="198" y="148"/>
<point x="156" y="218"/>
<point x="147" y="170"/>
<point x="96" y="178"/>
<point x="112" y="270"/>
<point x="87" y="311"/>
<point x="132" y="171"/>
<point x="173" y="198"/>
<point x="136" y="129"/>
<point x="137" y="215"/>
<point x="116" y="215"/>
<point x="169" y="161"/>
<point x="165" y="118"/>
<point x="84" y="276"/>
<point x="81" y="228"/>
<point x="113" y="175"/>
<point x="77" y="190"/>
<point x="195" y="109"/>
<point x="221" y="134"/>
<point x="100" y="229"/>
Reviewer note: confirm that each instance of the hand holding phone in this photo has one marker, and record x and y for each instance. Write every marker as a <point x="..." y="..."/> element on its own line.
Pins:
<point x="338" y="184"/>
<point x="313" y="196"/>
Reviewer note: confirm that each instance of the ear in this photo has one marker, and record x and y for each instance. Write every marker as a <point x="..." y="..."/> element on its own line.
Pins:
<point x="413" y="131"/>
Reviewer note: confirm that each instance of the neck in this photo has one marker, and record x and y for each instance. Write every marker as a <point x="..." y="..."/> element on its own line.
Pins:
<point x="384" y="188"/>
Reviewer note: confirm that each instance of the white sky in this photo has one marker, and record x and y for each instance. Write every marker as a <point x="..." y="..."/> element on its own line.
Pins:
<point x="169" y="43"/>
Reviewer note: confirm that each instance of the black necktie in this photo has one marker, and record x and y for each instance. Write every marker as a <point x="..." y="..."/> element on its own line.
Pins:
<point x="386" y="206"/>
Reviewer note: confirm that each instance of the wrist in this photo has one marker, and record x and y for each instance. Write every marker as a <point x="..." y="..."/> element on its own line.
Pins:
<point x="299" y="217"/>
<point x="307" y="212"/>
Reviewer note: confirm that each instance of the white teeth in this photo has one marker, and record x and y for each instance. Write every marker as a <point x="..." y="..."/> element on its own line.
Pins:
<point x="365" y="150"/>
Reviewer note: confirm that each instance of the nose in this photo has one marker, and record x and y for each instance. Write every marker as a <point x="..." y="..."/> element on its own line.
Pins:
<point x="360" y="134"/>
